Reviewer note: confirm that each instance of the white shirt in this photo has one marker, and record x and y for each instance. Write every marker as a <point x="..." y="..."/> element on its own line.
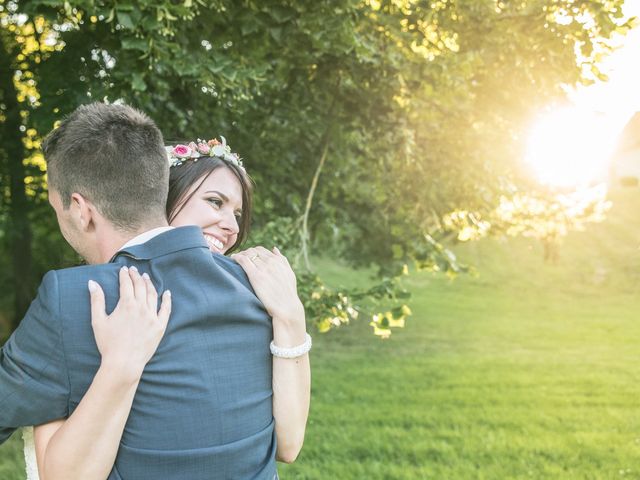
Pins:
<point x="145" y="236"/>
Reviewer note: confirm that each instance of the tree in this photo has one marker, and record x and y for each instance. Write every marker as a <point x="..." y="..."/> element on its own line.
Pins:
<point x="364" y="123"/>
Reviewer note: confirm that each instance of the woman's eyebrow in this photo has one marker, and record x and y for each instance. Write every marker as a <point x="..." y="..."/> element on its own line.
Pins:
<point x="222" y="195"/>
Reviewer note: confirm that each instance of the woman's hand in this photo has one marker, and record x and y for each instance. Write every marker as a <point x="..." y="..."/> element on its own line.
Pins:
<point x="275" y="285"/>
<point x="274" y="282"/>
<point x="130" y="335"/>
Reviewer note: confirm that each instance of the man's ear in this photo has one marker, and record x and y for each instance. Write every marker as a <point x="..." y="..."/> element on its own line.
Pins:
<point x="83" y="211"/>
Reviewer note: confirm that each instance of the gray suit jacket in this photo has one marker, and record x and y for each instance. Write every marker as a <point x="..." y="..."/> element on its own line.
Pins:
<point x="203" y="409"/>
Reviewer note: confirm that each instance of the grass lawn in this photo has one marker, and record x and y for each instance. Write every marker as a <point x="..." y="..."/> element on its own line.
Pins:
<point x="528" y="370"/>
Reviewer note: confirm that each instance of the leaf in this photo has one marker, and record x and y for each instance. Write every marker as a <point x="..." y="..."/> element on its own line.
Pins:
<point x="281" y="14"/>
<point x="276" y="33"/>
<point x="126" y="6"/>
<point x="138" y="83"/>
<point x="324" y="325"/>
<point x="133" y="43"/>
<point x="150" y="22"/>
<point x="247" y="28"/>
<point x="125" y="20"/>
<point x="397" y="323"/>
<point x="380" y="332"/>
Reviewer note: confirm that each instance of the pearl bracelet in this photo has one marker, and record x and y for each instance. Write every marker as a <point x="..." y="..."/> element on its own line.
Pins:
<point x="292" y="352"/>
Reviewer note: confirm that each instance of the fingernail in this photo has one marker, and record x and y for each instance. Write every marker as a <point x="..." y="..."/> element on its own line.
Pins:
<point x="145" y="275"/>
<point x="132" y="267"/>
<point x="92" y="286"/>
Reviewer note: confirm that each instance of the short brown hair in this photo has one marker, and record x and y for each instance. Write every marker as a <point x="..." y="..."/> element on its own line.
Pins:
<point x="183" y="177"/>
<point x="114" y="156"/>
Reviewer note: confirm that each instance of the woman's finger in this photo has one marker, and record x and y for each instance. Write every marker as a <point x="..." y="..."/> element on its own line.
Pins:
<point x="139" y="286"/>
<point x="279" y="254"/>
<point x="258" y="256"/>
<point x="165" y="309"/>
<point x="152" y="295"/>
<point x="126" y="286"/>
<point x="98" y="312"/>
<point x="250" y="252"/>
<point x="244" y="261"/>
<point x="264" y="253"/>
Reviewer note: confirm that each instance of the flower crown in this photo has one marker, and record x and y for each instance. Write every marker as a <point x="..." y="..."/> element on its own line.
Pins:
<point x="179" y="154"/>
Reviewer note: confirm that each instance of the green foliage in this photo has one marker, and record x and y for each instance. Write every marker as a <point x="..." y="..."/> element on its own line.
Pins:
<point x="418" y="105"/>
<point x="329" y="307"/>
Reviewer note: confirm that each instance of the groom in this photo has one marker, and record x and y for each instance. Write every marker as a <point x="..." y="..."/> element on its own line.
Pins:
<point x="203" y="407"/>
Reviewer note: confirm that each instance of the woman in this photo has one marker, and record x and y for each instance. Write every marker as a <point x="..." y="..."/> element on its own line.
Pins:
<point x="208" y="188"/>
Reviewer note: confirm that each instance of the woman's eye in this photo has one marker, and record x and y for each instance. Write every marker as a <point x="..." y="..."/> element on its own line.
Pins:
<point x="216" y="202"/>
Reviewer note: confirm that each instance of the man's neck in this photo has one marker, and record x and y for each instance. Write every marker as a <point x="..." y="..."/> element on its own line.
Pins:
<point x="113" y="242"/>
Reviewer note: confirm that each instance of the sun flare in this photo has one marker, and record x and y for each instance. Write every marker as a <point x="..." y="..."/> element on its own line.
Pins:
<point x="571" y="147"/>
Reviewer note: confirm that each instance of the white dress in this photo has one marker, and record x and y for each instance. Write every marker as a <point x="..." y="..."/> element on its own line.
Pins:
<point x="30" y="454"/>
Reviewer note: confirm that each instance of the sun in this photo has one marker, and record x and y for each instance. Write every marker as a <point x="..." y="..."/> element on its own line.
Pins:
<point x="571" y="147"/>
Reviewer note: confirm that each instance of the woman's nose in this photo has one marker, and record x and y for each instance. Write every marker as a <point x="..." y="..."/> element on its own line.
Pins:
<point x="230" y="223"/>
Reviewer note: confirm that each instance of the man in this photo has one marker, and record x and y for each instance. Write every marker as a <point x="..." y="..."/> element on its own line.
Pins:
<point x="203" y="407"/>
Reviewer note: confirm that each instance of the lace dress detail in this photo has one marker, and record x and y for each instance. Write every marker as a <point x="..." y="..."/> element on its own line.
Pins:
<point x="30" y="454"/>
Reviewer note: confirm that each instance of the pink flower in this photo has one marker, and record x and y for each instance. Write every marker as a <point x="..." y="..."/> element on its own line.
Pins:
<point x="182" y="151"/>
<point x="203" y="148"/>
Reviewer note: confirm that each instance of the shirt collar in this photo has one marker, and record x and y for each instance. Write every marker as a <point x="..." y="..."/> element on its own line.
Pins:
<point x="145" y="237"/>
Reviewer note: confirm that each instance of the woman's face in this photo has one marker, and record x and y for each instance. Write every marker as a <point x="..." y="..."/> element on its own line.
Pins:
<point x="215" y="207"/>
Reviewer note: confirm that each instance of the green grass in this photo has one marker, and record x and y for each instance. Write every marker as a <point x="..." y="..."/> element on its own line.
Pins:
<point x="528" y="370"/>
<point x="11" y="459"/>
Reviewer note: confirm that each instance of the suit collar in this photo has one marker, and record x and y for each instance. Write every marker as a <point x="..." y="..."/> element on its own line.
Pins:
<point x="145" y="236"/>
<point x="174" y="240"/>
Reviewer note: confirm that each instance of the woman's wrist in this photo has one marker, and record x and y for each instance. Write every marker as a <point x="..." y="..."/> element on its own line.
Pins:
<point x="289" y="330"/>
<point x="291" y="317"/>
<point x="289" y="339"/>
<point x="120" y="372"/>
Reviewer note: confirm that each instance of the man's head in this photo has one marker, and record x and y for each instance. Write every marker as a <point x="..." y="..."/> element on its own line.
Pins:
<point x="108" y="175"/>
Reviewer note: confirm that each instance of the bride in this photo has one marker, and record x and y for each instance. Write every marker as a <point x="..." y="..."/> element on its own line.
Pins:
<point x="208" y="187"/>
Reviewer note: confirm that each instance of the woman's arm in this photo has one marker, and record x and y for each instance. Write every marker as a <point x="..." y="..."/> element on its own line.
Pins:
<point x="291" y="388"/>
<point x="274" y="282"/>
<point x="85" y="445"/>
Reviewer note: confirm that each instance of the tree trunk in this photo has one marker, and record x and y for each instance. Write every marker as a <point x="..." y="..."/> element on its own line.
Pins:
<point x="324" y="146"/>
<point x="19" y="229"/>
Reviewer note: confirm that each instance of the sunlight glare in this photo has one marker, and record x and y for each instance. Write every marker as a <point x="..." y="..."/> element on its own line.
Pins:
<point x="571" y="147"/>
